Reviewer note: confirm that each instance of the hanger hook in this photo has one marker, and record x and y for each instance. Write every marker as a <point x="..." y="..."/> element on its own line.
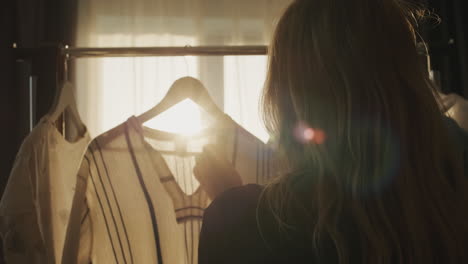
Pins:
<point x="187" y="65"/>
<point x="65" y="65"/>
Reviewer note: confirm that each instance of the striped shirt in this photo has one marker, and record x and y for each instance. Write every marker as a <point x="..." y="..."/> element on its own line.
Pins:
<point x="136" y="199"/>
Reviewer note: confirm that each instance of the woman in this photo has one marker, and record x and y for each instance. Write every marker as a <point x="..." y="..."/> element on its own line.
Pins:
<point x="369" y="175"/>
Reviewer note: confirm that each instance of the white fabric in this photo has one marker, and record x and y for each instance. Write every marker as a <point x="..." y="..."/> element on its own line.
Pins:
<point x="131" y="181"/>
<point x="109" y="90"/>
<point x="457" y="109"/>
<point x="36" y="204"/>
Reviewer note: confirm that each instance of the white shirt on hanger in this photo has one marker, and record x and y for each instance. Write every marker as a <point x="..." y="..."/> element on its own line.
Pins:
<point x="36" y="204"/>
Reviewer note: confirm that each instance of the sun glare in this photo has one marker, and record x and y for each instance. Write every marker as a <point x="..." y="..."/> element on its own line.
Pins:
<point x="183" y="118"/>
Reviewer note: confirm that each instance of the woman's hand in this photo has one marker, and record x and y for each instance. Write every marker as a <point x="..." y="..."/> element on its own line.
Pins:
<point x="215" y="173"/>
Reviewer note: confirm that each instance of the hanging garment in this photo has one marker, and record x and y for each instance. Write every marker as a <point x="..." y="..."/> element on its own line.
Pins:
<point x="457" y="109"/>
<point x="137" y="200"/>
<point x="36" y="204"/>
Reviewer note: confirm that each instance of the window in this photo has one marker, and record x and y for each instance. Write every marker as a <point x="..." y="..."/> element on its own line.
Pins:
<point x="109" y="90"/>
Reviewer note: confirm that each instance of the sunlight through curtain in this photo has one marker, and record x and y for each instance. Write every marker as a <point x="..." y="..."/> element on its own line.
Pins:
<point x="109" y="90"/>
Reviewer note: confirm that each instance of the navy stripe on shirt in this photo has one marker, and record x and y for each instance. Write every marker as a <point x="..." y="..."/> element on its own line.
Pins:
<point x="102" y="209"/>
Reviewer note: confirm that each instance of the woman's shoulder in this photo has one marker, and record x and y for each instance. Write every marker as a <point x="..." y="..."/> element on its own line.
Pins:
<point x="235" y="206"/>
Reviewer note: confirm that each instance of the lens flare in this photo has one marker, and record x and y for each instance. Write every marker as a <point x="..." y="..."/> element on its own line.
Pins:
<point x="319" y="136"/>
<point x="306" y="134"/>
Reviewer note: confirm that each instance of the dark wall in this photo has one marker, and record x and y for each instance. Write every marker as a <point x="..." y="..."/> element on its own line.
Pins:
<point x="9" y="140"/>
<point x="37" y="27"/>
<point x="448" y="44"/>
<point x="45" y="22"/>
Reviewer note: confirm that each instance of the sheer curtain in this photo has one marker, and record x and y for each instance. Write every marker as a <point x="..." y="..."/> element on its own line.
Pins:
<point x="112" y="89"/>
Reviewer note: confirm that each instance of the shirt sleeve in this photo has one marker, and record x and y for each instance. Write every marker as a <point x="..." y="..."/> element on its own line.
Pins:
<point x="78" y="241"/>
<point x="229" y="232"/>
<point x="212" y="244"/>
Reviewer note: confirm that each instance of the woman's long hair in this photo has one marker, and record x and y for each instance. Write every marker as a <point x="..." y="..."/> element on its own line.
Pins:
<point x="353" y="110"/>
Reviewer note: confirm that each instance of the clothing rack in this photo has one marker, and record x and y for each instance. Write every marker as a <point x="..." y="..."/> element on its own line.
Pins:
<point x="73" y="52"/>
<point x="81" y="52"/>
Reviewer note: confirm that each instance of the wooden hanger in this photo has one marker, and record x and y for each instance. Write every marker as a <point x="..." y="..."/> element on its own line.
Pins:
<point x="181" y="89"/>
<point x="65" y="103"/>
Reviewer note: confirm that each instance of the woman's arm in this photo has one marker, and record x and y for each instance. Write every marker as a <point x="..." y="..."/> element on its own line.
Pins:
<point x="214" y="237"/>
<point x="229" y="232"/>
<point x="215" y="173"/>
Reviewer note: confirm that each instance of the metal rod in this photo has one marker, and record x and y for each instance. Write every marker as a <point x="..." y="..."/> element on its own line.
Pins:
<point x="165" y="51"/>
